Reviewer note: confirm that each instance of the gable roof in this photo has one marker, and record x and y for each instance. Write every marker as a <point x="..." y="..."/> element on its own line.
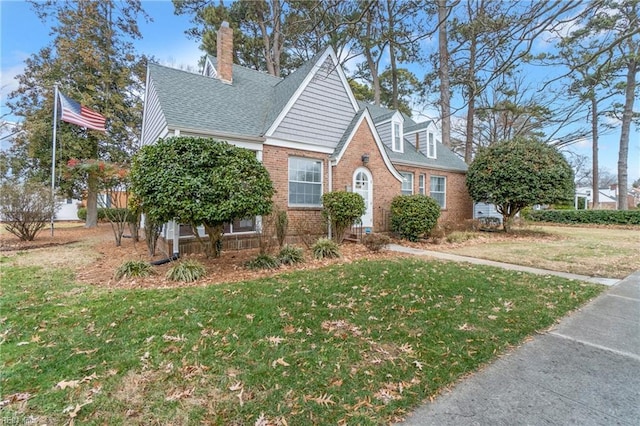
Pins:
<point x="187" y="99"/>
<point x="363" y="115"/>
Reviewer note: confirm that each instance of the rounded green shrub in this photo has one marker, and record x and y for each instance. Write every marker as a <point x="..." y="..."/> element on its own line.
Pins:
<point x="263" y="261"/>
<point x="413" y="215"/>
<point x="186" y="271"/>
<point x="290" y="255"/>
<point x="134" y="268"/>
<point x="342" y="209"/>
<point x="325" y="248"/>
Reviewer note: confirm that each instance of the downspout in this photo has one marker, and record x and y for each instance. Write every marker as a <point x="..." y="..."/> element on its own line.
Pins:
<point x="330" y="189"/>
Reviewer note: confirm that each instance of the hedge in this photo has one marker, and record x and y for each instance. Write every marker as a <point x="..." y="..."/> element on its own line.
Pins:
<point x="600" y="217"/>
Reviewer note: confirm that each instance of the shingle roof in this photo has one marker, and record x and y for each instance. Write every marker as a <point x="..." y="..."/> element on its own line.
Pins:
<point x="347" y="133"/>
<point x="446" y="159"/>
<point x="187" y="100"/>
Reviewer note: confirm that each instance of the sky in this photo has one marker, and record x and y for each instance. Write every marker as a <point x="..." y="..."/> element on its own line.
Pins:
<point x="23" y="34"/>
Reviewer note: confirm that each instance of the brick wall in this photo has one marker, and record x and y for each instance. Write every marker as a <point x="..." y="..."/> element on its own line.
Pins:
<point x="385" y="185"/>
<point x="301" y="219"/>
<point x="459" y="206"/>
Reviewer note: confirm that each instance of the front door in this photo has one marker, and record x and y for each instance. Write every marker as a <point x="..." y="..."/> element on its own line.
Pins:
<point x="363" y="185"/>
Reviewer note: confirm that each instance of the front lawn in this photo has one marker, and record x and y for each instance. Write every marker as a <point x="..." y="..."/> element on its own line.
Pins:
<point x="588" y="250"/>
<point x="359" y="343"/>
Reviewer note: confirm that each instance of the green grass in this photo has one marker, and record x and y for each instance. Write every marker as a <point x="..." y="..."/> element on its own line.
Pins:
<point x="362" y="343"/>
<point x="599" y="252"/>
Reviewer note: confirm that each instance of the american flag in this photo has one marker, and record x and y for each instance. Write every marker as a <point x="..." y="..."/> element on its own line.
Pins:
<point x="73" y="112"/>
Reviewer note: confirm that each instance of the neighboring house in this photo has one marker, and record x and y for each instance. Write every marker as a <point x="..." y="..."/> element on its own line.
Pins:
<point x="607" y="197"/>
<point x="312" y="136"/>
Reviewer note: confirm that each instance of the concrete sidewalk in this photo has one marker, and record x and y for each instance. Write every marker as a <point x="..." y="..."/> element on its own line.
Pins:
<point x="584" y="371"/>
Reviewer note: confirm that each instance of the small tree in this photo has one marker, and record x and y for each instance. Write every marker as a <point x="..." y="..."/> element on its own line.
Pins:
<point x="519" y="173"/>
<point x="112" y="181"/>
<point x="341" y="209"/>
<point x="200" y="181"/>
<point x="413" y="215"/>
<point x="26" y="208"/>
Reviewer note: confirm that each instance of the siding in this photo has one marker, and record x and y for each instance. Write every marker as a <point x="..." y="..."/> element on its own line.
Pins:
<point x="154" y="121"/>
<point x="384" y="131"/>
<point x="322" y="113"/>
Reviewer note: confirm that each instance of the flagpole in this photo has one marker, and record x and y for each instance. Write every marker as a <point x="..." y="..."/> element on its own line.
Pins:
<point x="53" y="155"/>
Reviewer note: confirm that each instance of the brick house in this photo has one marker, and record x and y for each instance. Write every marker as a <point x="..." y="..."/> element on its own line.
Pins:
<point x="311" y="134"/>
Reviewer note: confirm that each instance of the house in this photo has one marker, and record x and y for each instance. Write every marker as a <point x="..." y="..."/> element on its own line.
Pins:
<point x="607" y="197"/>
<point x="311" y="134"/>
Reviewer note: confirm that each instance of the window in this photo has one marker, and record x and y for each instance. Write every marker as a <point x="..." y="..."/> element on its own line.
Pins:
<point x="407" y="183"/>
<point x="305" y="182"/>
<point x="431" y="146"/>
<point x="421" y="183"/>
<point x="439" y="190"/>
<point x="240" y="225"/>
<point x="397" y="136"/>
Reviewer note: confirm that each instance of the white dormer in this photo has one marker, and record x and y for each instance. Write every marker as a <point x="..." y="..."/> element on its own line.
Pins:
<point x="397" y="135"/>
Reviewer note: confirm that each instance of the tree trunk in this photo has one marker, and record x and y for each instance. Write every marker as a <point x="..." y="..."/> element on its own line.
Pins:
<point x="594" y="153"/>
<point x="392" y="56"/>
<point x="92" y="202"/>
<point x="215" y="232"/>
<point x="443" y="72"/>
<point x="627" y="115"/>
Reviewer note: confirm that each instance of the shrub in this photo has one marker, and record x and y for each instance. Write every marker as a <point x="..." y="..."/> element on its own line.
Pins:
<point x="186" y="271"/>
<point x="342" y="209"/>
<point x="26" y="208"/>
<point x="282" y="224"/>
<point x="376" y="242"/>
<point x="325" y="248"/>
<point x="263" y="261"/>
<point x="598" y="217"/>
<point x="134" y="268"/>
<point x="413" y="215"/>
<point x="290" y="255"/>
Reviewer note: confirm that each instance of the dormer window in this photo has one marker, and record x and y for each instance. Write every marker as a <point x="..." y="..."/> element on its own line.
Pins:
<point x="396" y="135"/>
<point x="431" y="145"/>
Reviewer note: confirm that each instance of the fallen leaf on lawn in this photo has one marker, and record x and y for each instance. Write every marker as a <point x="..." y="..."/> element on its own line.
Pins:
<point x="179" y="394"/>
<point x="35" y="338"/>
<point x="250" y="317"/>
<point x="406" y="348"/>
<point x="492" y="317"/>
<point x="22" y="343"/>
<point x="87" y="352"/>
<point x="168" y="338"/>
<point x="67" y="384"/>
<point x="418" y="365"/>
<point x="261" y="421"/>
<point x="236" y="386"/>
<point x="16" y="397"/>
<point x="279" y="361"/>
<point x="323" y="399"/>
<point x="275" y="340"/>
<point x="73" y="411"/>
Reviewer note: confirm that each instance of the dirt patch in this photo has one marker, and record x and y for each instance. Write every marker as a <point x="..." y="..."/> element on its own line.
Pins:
<point x="94" y="257"/>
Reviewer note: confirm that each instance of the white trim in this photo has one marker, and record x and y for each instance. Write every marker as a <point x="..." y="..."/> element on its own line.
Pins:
<point x="422" y="188"/>
<point x="204" y="70"/>
<point x="303" y="146"/>
<point x="144" y="107"/>
<point x="444" y="206"/>
<point x="413" y="180"/>
<point x="369" y="200"/>
<point x="316" y="67"/>
<point x="400" y="148"/>
<point x="431" y="137"/>
<point x="219" y="135"/>
<point x="366" y="115"/>
<point x="315" y="160"/>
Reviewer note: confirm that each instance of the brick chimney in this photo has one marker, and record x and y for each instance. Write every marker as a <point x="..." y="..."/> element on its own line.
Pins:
<point x="225" y="53"/>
